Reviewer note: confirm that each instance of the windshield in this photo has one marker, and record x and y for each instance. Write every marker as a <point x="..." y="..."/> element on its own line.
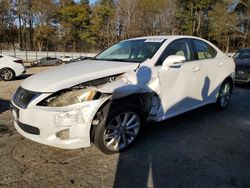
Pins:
<point x="243" y="54"/>
<point x="131" y="50"/>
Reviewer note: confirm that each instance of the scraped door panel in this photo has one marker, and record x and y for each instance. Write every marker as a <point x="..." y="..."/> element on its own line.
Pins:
<point x="183" y="88"/>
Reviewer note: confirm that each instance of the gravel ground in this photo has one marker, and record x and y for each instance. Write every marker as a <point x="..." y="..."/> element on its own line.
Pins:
<point x="202" y="148"/>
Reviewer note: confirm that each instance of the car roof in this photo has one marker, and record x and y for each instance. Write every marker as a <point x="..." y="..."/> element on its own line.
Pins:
<point x="164" y="37"/>
<point x="9" y="56"/>
<point x="6" y="55"/>
<point x="244" y="49"/>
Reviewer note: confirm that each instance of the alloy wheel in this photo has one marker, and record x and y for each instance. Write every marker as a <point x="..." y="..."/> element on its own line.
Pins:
<point x="6" y="74"/>
<point x="121" y="131"/>
<point x="225" y="94"/>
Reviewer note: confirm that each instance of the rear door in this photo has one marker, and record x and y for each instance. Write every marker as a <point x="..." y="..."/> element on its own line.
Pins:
<point x="51" y="61"/>
<point x="205" y="55"/>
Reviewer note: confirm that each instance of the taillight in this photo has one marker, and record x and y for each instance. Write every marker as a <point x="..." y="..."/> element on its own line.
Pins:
<point x="19" y="61"/>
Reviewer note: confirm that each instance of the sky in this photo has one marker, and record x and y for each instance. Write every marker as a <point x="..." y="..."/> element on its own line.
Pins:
<point x="92" y="1"/>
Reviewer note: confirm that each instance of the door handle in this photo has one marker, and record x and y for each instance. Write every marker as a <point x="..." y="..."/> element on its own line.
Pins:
<point x="196" y="69"/>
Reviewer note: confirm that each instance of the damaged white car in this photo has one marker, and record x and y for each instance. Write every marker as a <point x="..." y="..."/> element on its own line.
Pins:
<point x="107" y="99"/>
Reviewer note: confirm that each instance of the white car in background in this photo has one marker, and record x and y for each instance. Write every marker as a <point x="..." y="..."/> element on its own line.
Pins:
<point x="106" y="99"/>
<point x="65" y="58"/>
<point x="10" y="67"/>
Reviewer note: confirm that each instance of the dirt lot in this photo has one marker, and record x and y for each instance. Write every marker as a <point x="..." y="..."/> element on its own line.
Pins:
<point x="202" y="148"/>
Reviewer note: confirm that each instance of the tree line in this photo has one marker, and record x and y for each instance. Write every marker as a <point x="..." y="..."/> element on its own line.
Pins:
<point x="75" y="25"/>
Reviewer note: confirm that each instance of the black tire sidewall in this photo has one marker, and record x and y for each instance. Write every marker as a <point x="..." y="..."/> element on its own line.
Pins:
<point x="109" y="112"/>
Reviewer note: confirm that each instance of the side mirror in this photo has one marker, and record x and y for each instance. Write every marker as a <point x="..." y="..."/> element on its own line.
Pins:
<point x="174" y="61"/>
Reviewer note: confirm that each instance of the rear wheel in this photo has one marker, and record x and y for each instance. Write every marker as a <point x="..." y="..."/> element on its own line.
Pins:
<point x="59" y="63"/>
<point x="118" y="129"/>
<point x="224" y="95"/>
<point x="7" y="74"/>
<point x="39" y="64"/>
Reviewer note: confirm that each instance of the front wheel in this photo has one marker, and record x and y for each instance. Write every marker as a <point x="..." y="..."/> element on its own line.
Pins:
<point x="224" y="95"/>
<point x="119" y="129"/>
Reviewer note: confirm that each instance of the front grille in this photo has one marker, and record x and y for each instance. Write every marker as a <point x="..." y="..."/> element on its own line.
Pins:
<point x="23" y="97"/>
<point x="29" y="129"/>
<point x="242" y="74"/>
<point x="243" y="67"/>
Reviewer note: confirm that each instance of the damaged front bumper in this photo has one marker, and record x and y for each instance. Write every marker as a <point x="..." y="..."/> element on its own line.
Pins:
<point x="62" y="127"/>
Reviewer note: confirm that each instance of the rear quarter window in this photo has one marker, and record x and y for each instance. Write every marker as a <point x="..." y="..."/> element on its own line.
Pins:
<point x="203" y="50"/>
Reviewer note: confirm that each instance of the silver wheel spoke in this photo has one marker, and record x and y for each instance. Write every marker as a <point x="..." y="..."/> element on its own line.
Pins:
<point x="112" y="127"/>
<point x="110" y="135"/>
<point x="132" y="134"/>
<point x="133" y="126"/>
<point x="112" y="141"/>
<point x="125" y="119"/>
<point x="117" y="143"/>
<point x="131" y="120"/>
<point x="118" y="120"/>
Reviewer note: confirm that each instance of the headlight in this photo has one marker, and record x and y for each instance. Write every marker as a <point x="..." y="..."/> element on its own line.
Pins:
<point x="70" y="97"/>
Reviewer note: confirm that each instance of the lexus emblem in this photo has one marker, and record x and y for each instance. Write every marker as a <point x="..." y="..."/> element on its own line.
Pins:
<point x="21" y="95"/>
<point x="241" y="72"/>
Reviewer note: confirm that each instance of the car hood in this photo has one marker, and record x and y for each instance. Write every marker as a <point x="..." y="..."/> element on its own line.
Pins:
<point x="69" y="75"/>
<point x="242" y="62"/>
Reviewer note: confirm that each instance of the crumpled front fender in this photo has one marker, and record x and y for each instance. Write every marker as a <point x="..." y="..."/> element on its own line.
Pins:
<point x="139" y="81"/>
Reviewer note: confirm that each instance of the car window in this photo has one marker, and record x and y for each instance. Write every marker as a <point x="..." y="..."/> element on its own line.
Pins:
<point x="179" y="47"/>
<point x="50" y="58"/>
<point x="202" y="50"/>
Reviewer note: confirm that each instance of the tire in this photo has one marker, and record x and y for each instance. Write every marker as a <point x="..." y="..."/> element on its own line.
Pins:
<point x="59" y="63"/>
<point x="112" y="137"/>
<point x="39" y="64"/>
<point x="224" y="95"/>
<point x="7" y="74"/>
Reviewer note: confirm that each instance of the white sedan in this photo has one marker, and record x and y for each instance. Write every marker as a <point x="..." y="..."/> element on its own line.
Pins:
<point x="10" y="67"/>
<point x="65" y="58"/>
<point x="107" y="99"/>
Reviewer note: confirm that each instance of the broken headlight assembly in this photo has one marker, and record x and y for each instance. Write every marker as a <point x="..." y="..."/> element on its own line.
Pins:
<point x="70" y="97"/>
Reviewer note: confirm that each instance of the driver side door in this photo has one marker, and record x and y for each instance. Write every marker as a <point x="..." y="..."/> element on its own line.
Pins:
<point x="181" y="87"/>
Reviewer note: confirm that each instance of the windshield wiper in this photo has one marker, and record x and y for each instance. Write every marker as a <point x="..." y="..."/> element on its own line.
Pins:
<point x="122" y="60"/>
<point x="93" y="58"/>
<point x="115" y="59"/>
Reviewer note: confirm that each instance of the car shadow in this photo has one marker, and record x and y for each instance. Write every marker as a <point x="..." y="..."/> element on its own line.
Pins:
<point x="4" y="105"/>
<point x="23" y="77"/>
<point x="243" y="85"/>
<point x="154" y="161"/>
<point x="190" y="150"/>
<point x="4" y="128"/>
